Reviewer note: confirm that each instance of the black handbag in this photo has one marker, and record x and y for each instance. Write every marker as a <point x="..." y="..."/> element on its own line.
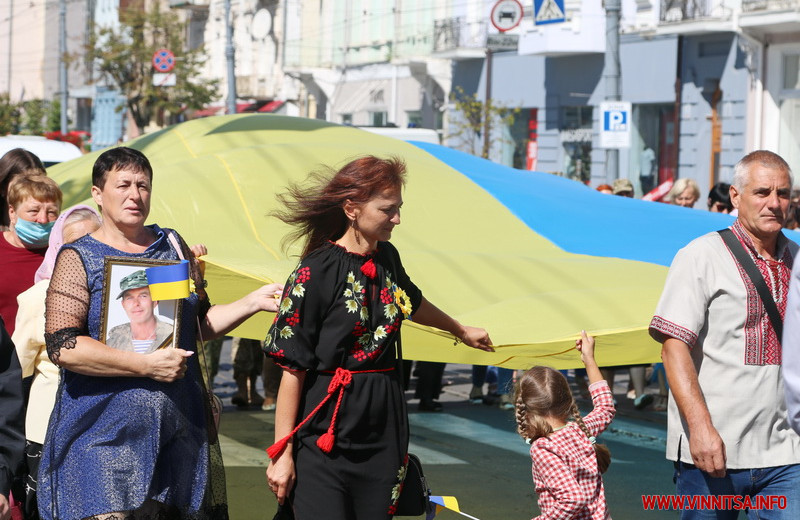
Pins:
<point x="414" y="495"/>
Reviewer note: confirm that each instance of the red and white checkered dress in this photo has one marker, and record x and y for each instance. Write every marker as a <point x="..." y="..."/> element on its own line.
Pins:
<point x="565" y="471"/>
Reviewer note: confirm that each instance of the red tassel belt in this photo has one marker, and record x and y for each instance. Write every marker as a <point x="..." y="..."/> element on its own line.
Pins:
<point x="341" y="379"/>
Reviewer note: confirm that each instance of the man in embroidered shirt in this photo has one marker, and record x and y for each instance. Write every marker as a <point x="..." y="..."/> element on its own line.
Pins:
<point x="727" y="419"/>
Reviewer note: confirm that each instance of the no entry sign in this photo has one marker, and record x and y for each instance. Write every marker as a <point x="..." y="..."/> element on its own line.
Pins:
<point x="163" y="60"/>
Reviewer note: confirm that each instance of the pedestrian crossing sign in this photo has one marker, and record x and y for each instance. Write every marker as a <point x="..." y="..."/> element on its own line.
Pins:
<point x="548" y="11"/>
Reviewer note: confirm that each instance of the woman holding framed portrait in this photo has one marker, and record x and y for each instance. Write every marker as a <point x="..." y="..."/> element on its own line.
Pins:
<point x="131" y="434"/>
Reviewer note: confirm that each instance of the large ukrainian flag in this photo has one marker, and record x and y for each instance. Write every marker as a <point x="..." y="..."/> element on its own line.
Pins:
<point x="532" y="257"/>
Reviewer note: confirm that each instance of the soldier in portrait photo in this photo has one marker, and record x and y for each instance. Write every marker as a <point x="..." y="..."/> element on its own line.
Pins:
<point x="145" y="332"/>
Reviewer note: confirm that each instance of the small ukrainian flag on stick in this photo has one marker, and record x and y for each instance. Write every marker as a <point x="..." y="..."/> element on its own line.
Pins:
<point x="169" y="282"/>
<point x="440" y="503"/>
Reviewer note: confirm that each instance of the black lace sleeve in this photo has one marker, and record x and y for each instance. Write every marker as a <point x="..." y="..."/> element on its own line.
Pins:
<point x="67" y="304"/>
<point x="62" y="338"/>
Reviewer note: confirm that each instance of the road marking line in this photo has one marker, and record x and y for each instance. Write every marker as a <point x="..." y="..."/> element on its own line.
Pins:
<point x="234" y="453"/>
<point x="432" y="456"/>
<point x="237" y="454"/>
<point x="505" y="439"/>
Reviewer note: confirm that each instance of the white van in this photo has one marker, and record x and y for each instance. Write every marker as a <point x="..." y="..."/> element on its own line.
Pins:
<point x="425" y="135"/>
<point x="50" y="152"/>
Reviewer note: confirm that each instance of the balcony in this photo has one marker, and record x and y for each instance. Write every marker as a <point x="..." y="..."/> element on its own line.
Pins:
<point x="762" y="18"/>
<point x="188" y="4"/>
<point x="694" y="17"/>
<point x="750" y="6"/>
<point x="454" y="38"/>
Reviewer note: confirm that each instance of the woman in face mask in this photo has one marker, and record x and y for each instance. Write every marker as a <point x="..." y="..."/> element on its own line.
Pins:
<point x="15" y="163"/>
<point x="33" y="206"/>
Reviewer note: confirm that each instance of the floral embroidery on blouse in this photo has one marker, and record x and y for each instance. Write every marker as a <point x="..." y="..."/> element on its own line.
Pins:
<point x="398" y="487"/>
<point x="369" y="339"/>
<point x="368" y="342"/>
<point x="294" y="287"/>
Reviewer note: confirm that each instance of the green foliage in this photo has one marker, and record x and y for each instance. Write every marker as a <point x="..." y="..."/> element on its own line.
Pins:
<point x="9" y="115"/>
<point x="34" y="113"/>
<point x="123" y="56"/>
<point x="53" y="123"/>
<point x="475" y="117"/>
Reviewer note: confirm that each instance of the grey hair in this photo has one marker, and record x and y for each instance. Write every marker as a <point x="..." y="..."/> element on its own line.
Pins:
<point x="80" y="215"/>
<point x="680" y="186"/>
<point x="741" y="172"/>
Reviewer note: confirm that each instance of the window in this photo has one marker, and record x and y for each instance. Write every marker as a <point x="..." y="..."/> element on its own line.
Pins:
<point x="414" y="118"/>
<point x="576" y="142"/>
<point x="377" y="118"/>
<point x="347" y="119"/>
<point x="577" y="117"/>
<point x="791" y="72"/>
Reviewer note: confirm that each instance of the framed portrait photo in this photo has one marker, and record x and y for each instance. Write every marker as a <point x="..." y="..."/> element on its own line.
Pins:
<point x="131" y="319"/>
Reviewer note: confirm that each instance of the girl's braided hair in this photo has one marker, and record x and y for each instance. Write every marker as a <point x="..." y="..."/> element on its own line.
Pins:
<point x="542" y="391"/>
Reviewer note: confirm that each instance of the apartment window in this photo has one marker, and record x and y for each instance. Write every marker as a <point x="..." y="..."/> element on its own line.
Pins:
<point x="414" y="118"/>
<point x="791" y="72"/>
<point x="377" y="118"/>
<point x="577" y="117"/>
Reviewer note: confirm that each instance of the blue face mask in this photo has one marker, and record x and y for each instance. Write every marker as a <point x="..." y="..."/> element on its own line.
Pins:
<point x="33" y="234"/>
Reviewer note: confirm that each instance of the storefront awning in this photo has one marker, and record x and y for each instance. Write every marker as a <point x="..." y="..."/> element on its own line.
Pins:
<point x="272" y="106"/>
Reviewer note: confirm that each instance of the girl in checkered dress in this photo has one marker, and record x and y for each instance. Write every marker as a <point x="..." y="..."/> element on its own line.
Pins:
<point x="567" y="461"/>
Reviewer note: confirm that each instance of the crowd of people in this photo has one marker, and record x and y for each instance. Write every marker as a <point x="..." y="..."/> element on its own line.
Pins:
<point x="114" y="426"/>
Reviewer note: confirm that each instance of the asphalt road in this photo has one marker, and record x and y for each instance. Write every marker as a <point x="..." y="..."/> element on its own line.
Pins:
<point x="468" y="451"/>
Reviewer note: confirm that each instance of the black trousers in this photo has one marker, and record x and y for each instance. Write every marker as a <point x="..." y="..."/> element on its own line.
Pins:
<point x="429" y="380"/>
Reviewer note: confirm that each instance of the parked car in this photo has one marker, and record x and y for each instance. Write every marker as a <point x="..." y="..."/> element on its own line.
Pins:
<point x="50" y="152"/>
<point x="425" y="135"/>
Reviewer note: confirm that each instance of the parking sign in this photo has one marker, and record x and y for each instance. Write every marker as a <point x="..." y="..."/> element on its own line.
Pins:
<point x="615" y="124"/>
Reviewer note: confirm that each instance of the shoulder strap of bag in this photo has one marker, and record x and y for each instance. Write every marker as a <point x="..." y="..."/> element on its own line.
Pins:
<point x="201" y="351"/>
<point x="755" y="276"/>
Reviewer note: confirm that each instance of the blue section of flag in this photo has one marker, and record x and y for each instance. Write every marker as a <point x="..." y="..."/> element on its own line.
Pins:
<point x="168" y="273"/>
<point x="581" y="220"/>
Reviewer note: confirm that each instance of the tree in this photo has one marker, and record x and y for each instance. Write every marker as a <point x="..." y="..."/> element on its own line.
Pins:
<point x="9" y="115"/>
<point x="471" y="118"/>
<point x="123" y="56"/>
<point x="35" y="112"/>
<point x="53" y="122"/>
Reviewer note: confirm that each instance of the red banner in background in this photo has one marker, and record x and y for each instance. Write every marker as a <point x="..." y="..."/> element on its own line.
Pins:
<point x="657" y="193"/>
<point x="532" y="152"/>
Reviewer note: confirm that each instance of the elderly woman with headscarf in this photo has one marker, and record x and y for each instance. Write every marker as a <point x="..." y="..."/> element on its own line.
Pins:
<point x="28" y="338"/>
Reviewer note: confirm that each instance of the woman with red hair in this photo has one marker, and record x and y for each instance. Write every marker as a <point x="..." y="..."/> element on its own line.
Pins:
<point x="341" y="426"/>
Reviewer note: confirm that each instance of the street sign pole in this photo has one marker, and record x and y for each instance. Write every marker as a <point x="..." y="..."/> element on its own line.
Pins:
<point x="62" y="63"/>
<point x="612" y="77"/>
<point x="487" y="124"/>
<point x="505" y="15"/>
<point x="230" y="59"/>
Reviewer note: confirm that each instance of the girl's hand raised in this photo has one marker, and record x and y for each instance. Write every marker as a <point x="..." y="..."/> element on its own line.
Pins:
<point x="585" y="345"/>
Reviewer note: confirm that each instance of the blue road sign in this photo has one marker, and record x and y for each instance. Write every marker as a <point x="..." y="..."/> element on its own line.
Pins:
<point x="616" y="128"/>
<point x="548" y="11"/>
